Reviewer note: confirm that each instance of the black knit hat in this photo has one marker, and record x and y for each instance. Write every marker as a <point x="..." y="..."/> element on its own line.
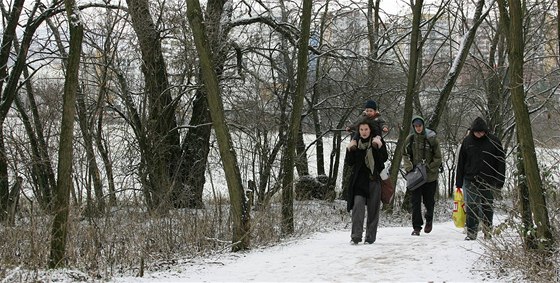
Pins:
<point x="371" y="104"/>
<point x="479" y="125"/>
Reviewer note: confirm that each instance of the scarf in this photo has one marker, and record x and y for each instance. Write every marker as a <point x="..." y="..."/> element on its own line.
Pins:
<point x="370" y="162"/>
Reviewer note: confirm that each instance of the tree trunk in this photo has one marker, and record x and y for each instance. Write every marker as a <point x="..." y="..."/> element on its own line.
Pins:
<point x="410" y="91"/>
<point x="315" y="113"/>
<point x="196" y="144"/>
<point x="7" y="41"/>
<point x="295" y="123"/>
<point x="59" y="232"/>
<point x="162" y="132"/>
<point x="265" y="168"/>
<point x="95" y="207"/>
<point x="196" y="147"/>
<point x="496" y="95"/>
<point x="9" y="92"/>
<point x="514" y="23"/>
<point x="524" y="206"/>
<point x="43" y="176"/>
<point x="239" y="205"/>
<point x="4" y="183"/>
<point x="373" y="36"/>
<point x="107" y="163"/>
<point x="102" y="100"/>
<point x="301" y="161"/>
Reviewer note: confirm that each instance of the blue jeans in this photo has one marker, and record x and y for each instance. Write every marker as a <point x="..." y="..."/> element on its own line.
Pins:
<point x="479" y="200"/>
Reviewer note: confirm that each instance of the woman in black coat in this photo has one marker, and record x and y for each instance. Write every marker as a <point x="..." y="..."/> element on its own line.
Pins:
<point x="367" y="156"/>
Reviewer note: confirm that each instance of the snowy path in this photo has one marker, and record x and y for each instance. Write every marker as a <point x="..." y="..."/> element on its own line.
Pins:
<point x="442" y="255"/>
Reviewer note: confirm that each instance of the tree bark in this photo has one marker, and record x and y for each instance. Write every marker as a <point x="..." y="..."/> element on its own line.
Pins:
<point x="163" y="151"/>
<point x="13" y="201"/>
<point x="524" y="205"/>
<point x="513" y="21"/>
<point x="410" y="91"/>
<point x="196" y="147"/>
<point x="315" y="113"/>
<point x="301" y="161"/>
<point x="59" y="232"/>
<point x="238" y="200"/>
<point x="7" y="41"/>
<point x="295" y="123"/>
<point x="94" y="206"/>
<point x="196" y="144"/>
<point x="43" y="176"/>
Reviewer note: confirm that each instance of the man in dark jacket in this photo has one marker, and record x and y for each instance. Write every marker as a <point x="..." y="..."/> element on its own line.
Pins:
<point x="480" y="171"/>
<point x="422" y="147"/>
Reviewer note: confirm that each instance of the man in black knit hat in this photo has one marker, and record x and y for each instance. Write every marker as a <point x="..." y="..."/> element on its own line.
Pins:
<point x="480" y="171"/>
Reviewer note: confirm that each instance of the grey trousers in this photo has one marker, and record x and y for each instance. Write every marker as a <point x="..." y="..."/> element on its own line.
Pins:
<point x="373" y="204"/>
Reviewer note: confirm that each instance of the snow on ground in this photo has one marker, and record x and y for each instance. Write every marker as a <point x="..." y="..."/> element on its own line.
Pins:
<point x="441" y="256"/>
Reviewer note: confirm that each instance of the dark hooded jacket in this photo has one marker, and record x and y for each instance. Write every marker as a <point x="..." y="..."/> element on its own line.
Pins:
<point x="423" y="146"/>
<point x="481" y="159"/>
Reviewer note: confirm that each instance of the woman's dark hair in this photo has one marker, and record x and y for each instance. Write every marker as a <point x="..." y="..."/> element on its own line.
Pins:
<point x="365" y="122"/>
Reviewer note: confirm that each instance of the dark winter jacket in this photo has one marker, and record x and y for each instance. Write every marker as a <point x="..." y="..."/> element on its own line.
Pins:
<point x="481" y="159"/>
<point x="422" y="146"/>
<point x="361" y="175"/>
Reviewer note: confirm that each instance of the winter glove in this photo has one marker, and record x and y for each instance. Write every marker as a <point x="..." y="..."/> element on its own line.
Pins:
<point x="376" y="142"/>
<point x="352" y="145"/>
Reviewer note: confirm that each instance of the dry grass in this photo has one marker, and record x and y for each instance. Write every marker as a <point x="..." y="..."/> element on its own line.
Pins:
<point x="128" y="241"/>
<point x="509" y="256"/>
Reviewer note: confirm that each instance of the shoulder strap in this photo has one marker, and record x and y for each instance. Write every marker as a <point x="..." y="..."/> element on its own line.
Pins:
<point x="409" y="146"/>
<point x="424" y="151"/>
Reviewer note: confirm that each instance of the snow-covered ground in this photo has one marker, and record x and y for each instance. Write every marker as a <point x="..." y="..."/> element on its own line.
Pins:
<point x="441" y="256"/>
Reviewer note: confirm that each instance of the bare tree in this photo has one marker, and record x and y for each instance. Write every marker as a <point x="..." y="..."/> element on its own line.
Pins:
<point x="238" y="200"/>
<point x="511" y="13"/>
<point x="411" y="87"/>
<point x="9" y="91"/>
<point x="65" y="156"/>
<point x="295" y="122"/>
<point x="95" y="206"/>
<point x="7" y="41"/>
<point x="161" y="145"/>
<point x="455" y="69"/>
<point x="42" y="174"/>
